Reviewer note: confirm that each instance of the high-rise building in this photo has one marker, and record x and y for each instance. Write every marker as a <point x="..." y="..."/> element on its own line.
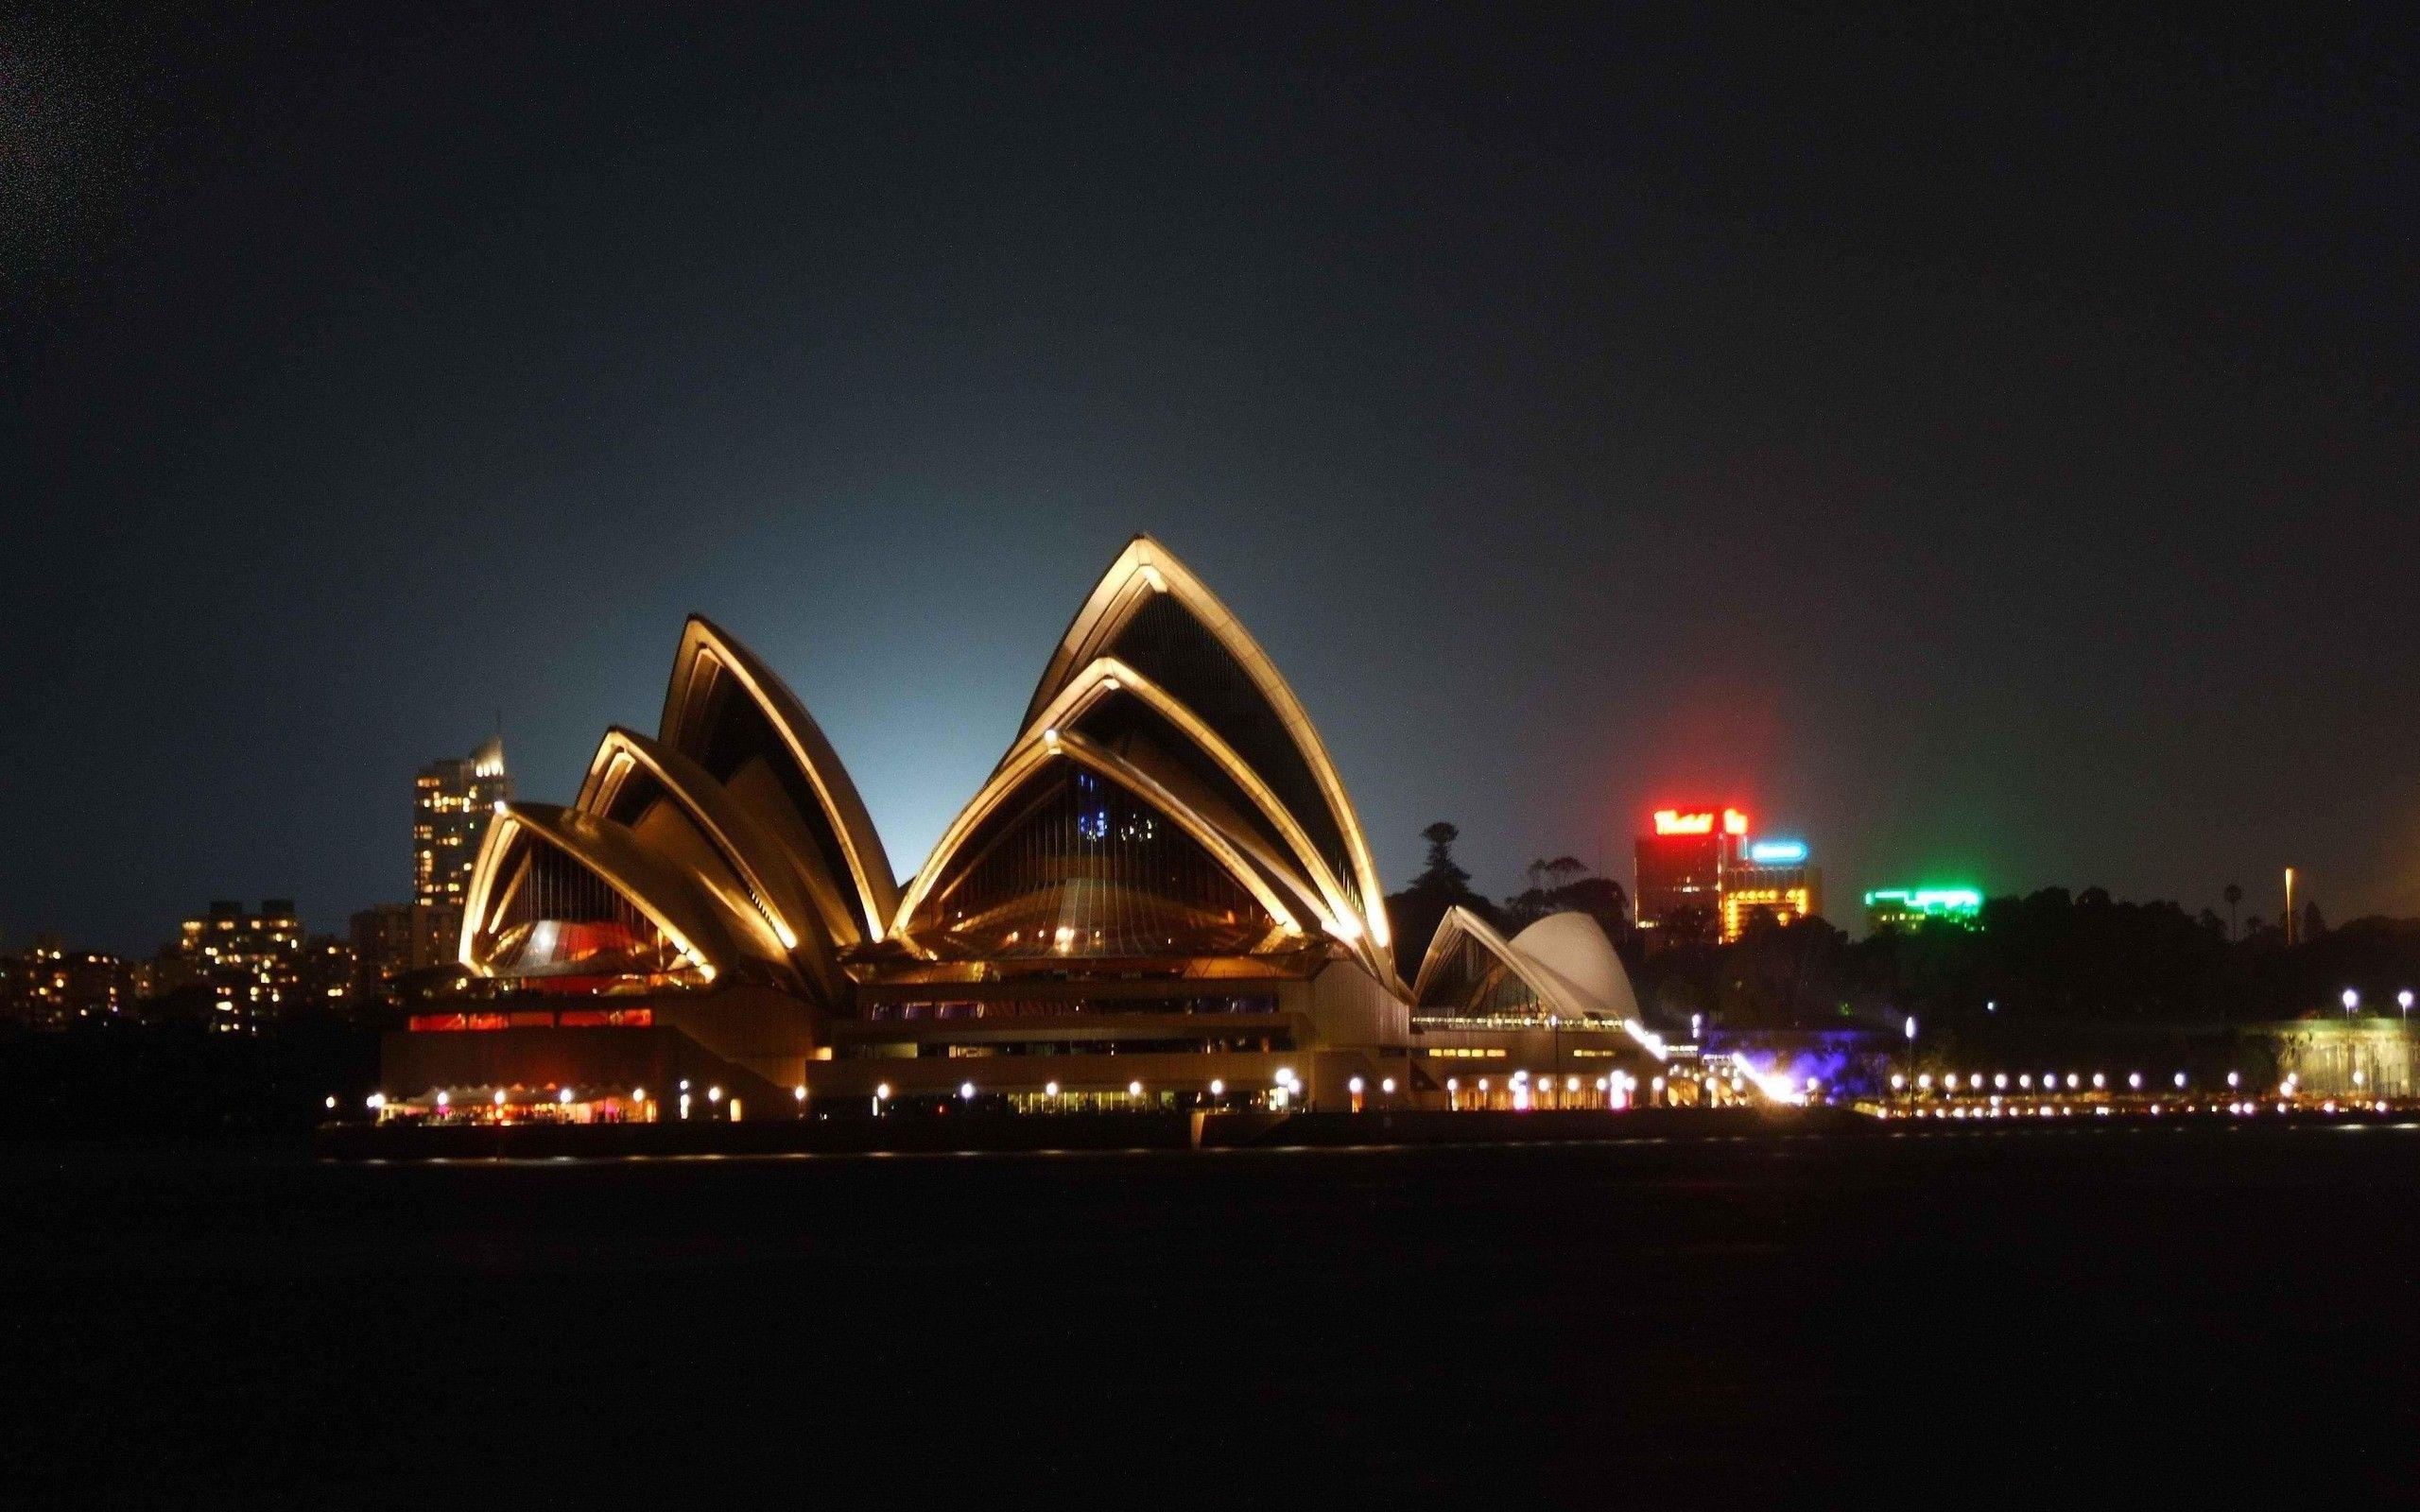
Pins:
<point x="1907" y="907"/>
<point x="453" y="800"/>
<point x="1681" y="863"/>
<point x="1702" y="879"/>
<point x="1770" y="876"/>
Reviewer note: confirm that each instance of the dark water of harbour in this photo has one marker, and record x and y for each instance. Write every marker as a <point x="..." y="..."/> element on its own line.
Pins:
<point x="2073" y="1316"/>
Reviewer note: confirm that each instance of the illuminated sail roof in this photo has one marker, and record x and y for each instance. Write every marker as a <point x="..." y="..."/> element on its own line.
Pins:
<point x="677" y="811"/>
<point x="1165" y="798"/>
<point x="1072" y="849"/>
<point x="728" y="711"/>
<point x="548" y="875"/>
<point x="1150" y="615"/>
<point x="1560" y="968"/>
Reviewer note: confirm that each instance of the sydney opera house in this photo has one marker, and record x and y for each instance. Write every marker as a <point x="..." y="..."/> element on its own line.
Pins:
<point x="1160" y="898"/>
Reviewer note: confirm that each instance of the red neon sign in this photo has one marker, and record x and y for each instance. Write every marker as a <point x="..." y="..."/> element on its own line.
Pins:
<point x="1699" y="821"/>
<point x="1673" y="822"/>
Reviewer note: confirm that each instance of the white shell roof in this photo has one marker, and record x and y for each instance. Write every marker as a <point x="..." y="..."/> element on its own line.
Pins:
<point x="1571" y="948"/>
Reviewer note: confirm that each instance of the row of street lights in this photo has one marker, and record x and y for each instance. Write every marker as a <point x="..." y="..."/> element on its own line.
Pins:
<point x="2352" y="1001"/>
<point x="1285" y="1088"/>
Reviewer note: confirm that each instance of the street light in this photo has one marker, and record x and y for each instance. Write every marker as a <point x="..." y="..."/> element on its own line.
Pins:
<point x="2352" y="1000"/>
<point x="2403" y="1001"/>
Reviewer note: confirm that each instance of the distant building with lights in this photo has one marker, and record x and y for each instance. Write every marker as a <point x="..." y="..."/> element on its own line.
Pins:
<point x="1770" y="876"/>
<point x="381" y="936"/>
<point x="1700" y="878"/>
<point x="250" y="961"/>
<point x="1678" y="898"/>
<point x="453" y="801"/>
<point x="50" y="986"/>
<point x="1906" y="908"/>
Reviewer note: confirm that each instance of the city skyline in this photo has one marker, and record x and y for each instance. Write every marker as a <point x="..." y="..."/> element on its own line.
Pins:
<point x="1617" y="863"/>
<point x="2000" y="484"/>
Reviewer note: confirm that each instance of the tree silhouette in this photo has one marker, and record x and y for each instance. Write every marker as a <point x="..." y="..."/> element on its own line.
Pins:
<point x="1441" y="870"/>
<point x="1416" y="911"/>
<point x="2233" y="893"/>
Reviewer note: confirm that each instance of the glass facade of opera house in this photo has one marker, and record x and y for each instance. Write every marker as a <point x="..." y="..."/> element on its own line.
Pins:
<point x="1161" y="898"/>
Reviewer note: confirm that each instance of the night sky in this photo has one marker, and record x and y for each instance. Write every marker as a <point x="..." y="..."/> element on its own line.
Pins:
<point x="1988" y="453"/>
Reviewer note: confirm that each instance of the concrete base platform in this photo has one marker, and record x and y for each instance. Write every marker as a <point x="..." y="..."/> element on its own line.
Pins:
<point x="975" y="1132"/>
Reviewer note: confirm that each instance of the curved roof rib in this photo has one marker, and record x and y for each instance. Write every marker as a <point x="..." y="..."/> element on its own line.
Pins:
<point x="1560" y="994"/>
<point x="1261" y="873"/>
<point x="1124" y="712"/>
<point x="826" y="826"/>
<point x="1151" y="614"/>
<point x="676" y="808"/>
<point x="657" y="888"/>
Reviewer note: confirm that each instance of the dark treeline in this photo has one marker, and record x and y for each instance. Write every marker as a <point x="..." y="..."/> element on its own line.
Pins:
<point x="162" y="1074"/>
<point x="2049" y="955"/>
